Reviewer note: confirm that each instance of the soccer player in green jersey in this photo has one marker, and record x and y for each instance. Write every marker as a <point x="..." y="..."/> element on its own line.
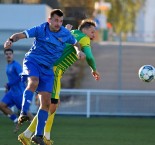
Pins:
<point x="84" y="35"/>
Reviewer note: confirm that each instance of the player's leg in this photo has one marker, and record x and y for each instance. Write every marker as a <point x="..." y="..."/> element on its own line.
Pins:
<point x="7" y="111"/>
<point x="31" y="71"/>
<point x="48" y="128"/>
<point x="5" y="105"/>
<point x="27" y="98"/>
<point x="25" y="137"/>
<point x="24" y="140"/>
<point x="44" y="89"/>
<point x="42" y="116"/>
<point x="53" y="106"/>
<point x="17" y="101"/>
<point x="31" y="128"/>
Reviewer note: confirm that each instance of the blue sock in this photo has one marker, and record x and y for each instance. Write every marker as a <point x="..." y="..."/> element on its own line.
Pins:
<point x="13" y="117"/>
<point x="27" y="99"/>
<point x="41" y="120"/>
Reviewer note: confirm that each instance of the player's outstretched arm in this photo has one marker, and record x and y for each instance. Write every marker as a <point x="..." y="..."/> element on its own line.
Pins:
<point x="15" y="37"/>
<point x="91" y="62"/>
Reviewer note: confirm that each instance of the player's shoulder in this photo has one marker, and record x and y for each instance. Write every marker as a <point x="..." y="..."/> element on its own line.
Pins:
<point x="16" y="63"/>
<point x="79" y="34"/>
<point x="63" y="29"/>
<point x="42" y="26"/>
<point x="39" y="26"/>
<point x="76" y="31"/>
<point x="85" y="39"/>
<point x="45" y="24"/>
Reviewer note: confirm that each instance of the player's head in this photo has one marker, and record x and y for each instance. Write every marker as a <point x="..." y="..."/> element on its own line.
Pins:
<point x="55" y="20"/>
<point x="8" y="55"/>
<point x="88" y="26"/>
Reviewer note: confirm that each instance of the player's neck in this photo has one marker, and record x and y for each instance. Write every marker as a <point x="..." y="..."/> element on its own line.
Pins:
<point x="10" y="61"/>
<point x="53" y="30"/>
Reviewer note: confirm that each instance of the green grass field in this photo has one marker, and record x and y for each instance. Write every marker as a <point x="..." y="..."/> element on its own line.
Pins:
<point x="75" y="130"/>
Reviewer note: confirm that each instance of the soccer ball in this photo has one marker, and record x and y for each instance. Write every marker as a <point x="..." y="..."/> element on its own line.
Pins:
<point x="147" y="73"/>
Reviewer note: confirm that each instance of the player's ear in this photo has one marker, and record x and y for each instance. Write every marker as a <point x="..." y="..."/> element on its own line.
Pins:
<point x="49" y="20"/>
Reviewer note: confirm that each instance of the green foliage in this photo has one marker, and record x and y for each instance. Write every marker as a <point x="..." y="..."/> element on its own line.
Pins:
<point x="83" y="5"/>
<point x="123" y="14"/>
<point x="71" y="130"/>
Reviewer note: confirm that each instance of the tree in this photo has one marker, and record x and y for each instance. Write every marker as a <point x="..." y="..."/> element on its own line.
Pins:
<point x="86" y="5"/>
<point x="123" y="14"/>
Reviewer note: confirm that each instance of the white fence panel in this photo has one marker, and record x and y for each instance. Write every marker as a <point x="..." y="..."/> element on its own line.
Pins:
<point x="105" y="102"/>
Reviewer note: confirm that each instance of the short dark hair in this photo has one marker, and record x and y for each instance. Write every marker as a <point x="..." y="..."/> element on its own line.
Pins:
<point x="86" y="23"/>
<point x="57" y="12"/>
<point x="6" y="50"/>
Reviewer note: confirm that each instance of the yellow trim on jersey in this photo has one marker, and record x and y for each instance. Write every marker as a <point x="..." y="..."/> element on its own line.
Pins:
<point x="85" y="41"/>
<point x="57" y="82"/>
<point x="61" y="66"/>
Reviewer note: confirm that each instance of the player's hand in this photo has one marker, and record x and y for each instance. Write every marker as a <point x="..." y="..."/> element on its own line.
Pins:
<point x="8" y="44"/>
<point x="81" y="55"/>
<point x="96" y="75"/>
<point x="69" y="27"/>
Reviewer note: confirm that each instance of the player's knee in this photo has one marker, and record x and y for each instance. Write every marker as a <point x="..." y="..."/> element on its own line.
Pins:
<point x="2" y="106"/>
<point x="32" y="83"/>
<point x="52" y="108"/>
<point x="45" y="105"/>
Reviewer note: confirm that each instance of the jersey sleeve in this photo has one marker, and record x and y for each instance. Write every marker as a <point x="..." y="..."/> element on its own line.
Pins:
<point x="71" y="39"/>
<point x="85" y="45"/>
<point x="30" y="32"/>
<point x="34" y="31"/>
<point x="85" y="41"/>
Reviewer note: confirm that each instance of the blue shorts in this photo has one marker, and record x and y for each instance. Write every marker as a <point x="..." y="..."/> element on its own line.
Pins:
<point x="45" y="75"/>
<point x="12" y="100"/>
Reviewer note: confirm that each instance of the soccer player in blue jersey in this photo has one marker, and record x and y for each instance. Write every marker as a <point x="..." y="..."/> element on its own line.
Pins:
<point x="84" y="35"/>
<point x="49" y="43"/>
<point x="14" y="88"/>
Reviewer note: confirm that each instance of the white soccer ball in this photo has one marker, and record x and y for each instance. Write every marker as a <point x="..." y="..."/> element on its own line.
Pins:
<point x="147" y="73"/>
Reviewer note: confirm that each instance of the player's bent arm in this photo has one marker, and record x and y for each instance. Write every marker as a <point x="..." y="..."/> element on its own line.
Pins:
<point x="15" y="37"/>
<point x="79" y="53"/>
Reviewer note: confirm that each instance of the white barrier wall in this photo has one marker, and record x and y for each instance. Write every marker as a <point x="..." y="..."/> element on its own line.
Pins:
<point x="22" y="16"/>
<point x="18" y="17"/>
<point x="145" y="30"/>
<point x="105" y="102"/>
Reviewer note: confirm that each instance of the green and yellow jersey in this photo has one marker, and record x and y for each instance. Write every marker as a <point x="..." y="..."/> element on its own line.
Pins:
<point x="69" y="57"/>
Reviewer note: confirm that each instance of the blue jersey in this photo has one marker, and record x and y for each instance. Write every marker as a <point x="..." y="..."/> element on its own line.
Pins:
<point x="13" y="71"/>
<point x="48" y="46"/>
